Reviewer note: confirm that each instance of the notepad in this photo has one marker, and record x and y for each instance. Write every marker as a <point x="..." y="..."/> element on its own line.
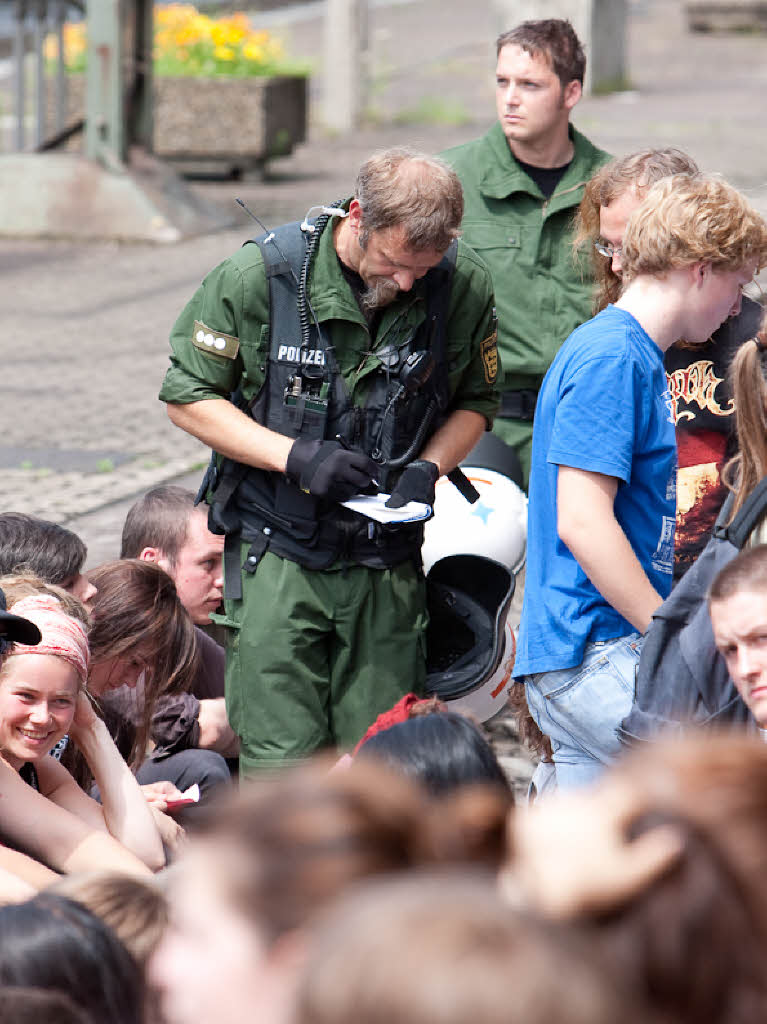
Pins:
<point x="374" y="507"/>
<point x="189" y="796"/>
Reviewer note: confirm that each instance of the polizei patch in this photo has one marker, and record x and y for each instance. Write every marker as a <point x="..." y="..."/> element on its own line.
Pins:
<point x="295" y="354"/>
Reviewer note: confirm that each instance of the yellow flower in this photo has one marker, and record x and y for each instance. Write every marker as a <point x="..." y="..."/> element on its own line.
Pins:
<point x="75" y="43"/>
<point x="183" y="36"/>
<point x="236" y="28"/>
<point x="254" y="52"/>
<point x="218" y="34"/>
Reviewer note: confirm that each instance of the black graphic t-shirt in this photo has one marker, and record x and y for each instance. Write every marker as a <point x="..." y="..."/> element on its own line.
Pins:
<point x="705" y="428"/>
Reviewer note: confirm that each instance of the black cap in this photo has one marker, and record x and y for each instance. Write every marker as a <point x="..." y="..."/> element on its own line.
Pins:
<point x="15" y="629"/>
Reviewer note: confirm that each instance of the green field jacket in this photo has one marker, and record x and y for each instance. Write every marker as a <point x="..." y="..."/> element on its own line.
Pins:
<point x="542" y="292"/>
<point x="232" y="304"/>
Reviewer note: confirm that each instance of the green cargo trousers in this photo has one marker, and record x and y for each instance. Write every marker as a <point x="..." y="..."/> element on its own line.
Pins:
<point x="314" y="656"/>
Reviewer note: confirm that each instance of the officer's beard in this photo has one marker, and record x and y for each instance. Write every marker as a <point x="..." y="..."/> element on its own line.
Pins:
<point x="381" y="291"/>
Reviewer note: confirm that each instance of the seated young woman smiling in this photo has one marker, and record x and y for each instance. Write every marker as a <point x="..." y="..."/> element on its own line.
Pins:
<point x="42" y="699"/>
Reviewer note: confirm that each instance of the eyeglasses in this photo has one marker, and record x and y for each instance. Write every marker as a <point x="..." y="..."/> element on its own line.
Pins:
<point x="607" y="250"/>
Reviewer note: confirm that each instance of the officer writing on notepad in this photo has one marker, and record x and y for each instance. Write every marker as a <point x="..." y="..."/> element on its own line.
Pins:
<point x="339" y="356"/>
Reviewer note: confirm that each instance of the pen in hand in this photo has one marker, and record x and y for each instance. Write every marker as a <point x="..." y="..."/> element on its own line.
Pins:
<point x="348" y="448"/>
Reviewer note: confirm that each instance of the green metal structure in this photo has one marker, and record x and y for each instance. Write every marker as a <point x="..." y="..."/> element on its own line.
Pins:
<point x="115" y="188"/>
<point x="119" y="88"/>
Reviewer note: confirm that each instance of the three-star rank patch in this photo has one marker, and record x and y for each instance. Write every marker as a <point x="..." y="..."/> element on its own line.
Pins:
<point x="489" y="352"/>
<point x="214" y="343"/>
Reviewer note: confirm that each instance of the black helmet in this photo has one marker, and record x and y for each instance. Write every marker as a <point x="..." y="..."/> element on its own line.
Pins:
<point x="491" y="452"/>
<point x="470" y="645"/>
<point x="13" y="628"/>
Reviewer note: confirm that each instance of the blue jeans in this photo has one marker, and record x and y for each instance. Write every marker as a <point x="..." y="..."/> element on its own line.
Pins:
<point x="580" y="708"/>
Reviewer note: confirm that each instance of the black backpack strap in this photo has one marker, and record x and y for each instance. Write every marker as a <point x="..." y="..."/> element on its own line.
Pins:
<point x="283" y="252"/>
<point x="753" y="509"/>
<point x="440" y="280"/>
<point x="725" y="513"/>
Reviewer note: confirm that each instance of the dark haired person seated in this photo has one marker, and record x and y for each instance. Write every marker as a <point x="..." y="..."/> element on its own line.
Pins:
<point x="22" y="1005"/>
<point x="442" y="751"/>
<point x="737" y="604"/>
<point x="45" y="549"/>
<point x="165" y="526"/>
<point x="192" y="719"/>
<point x="57" y="944"/>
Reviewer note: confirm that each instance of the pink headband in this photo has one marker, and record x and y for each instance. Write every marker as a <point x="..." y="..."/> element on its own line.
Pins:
<point x="62" y="635"/>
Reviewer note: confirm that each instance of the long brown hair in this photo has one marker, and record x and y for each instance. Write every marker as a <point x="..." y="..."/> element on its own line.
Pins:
<point x="136" y="610"/>
<point x="288" y="846"/>
<point x="748" y="376"/>
<point x="639" y="171"/>
<point x="697" y="936"/>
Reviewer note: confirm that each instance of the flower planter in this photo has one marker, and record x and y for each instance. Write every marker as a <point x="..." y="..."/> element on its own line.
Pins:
<point x="227" y="124"/>
<point x="235" y="122"/>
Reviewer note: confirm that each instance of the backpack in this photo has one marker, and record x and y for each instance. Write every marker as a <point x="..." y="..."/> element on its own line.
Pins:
<point x="681" y="677"/>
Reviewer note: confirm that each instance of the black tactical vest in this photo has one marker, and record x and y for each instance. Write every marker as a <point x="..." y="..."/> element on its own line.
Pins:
<point x="304" y="395"/>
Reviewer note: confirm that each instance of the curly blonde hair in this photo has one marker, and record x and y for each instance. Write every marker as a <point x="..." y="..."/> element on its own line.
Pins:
<point x="690" y="218"/>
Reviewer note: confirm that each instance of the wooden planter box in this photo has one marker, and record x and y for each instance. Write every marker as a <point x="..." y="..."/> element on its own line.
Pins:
<point x="223" y="124"/>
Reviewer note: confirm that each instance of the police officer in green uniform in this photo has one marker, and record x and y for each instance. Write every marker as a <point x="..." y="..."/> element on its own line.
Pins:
<point x="522" y="184"/>
<point x="339" y="356"/>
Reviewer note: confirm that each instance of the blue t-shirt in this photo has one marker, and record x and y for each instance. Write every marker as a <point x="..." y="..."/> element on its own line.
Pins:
<point x="604" y="407"/>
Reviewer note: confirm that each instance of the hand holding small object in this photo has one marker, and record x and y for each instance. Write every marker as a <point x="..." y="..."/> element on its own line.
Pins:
<point x="417" y="483"/>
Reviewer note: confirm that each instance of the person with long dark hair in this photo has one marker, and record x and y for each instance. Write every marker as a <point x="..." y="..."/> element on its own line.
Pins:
<point x="56" y="944"/>
<point x="442" y="751"/>
<point x="143" y="647"/>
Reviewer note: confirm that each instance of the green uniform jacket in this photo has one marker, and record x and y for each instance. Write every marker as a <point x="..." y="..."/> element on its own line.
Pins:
<point x="232" y="303"/>
<point x="542" y="292"/>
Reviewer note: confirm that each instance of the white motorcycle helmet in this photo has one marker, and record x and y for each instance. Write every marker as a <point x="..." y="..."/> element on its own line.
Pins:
<point x="496" y="525"/>
<point x="471" y="554"/>
<point x="470" y="644"/>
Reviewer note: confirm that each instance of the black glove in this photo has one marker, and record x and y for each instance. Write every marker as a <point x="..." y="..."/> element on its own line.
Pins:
<point x="328" y="470"/>
<point x="416" y="484"/>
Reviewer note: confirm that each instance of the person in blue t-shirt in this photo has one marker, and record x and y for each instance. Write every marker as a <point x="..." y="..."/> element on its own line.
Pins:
<point x="603" y="479"/>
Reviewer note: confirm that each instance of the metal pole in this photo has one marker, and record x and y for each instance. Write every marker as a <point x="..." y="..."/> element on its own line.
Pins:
<point x="344" y="72"/>
<point x="61" y="68"/>
<point x="105" y="138"/>
<point x="18" y="64"/>
<point x="39" y="44"/>
<point x="139" y="113"/>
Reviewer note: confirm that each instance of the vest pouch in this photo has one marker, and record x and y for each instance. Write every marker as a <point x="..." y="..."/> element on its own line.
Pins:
<point x="390" y="544"/>
<point x="403" y="423"/>
<point x="291" y="503"/>
<point x="298" y="397"/>
<point x="223" y="515"/>
<point x="223" y="519"/>
<point x="269" y="499"/>
<point x="304" y="416"/>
